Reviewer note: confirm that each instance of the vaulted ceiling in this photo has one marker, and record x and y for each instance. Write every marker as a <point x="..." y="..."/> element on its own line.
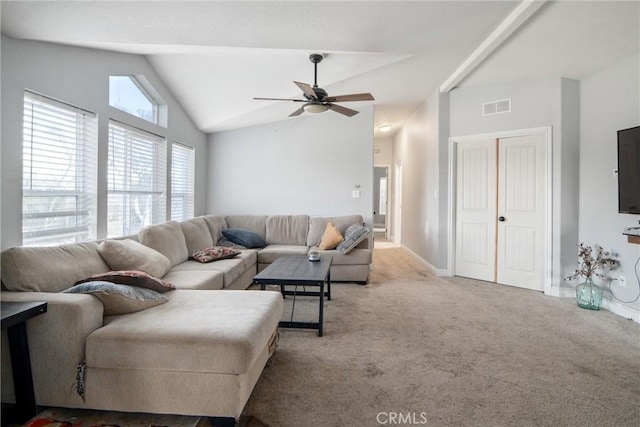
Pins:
<point x="215" y="56"/>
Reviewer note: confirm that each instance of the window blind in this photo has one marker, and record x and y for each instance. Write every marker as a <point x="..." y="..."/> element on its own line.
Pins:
<point x="59" y="162"/>
<point x="136" y="179"/>
<point x="182" y="181"/>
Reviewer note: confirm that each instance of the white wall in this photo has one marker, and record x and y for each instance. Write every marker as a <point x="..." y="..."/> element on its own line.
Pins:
<point x="609" y="102"/>
<point x="304" y="165"/>
<point x="421" y="146"/>
<point x="80" y="77"/>
<point x="385" y="156"/>
<point x="539" y="103"/>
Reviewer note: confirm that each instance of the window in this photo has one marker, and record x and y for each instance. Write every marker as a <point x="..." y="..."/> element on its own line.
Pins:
<point x="182" y="169"/>
<point x="128" y="93"/>
<point x="58" y="172"/>
<point x="136" y="180"/>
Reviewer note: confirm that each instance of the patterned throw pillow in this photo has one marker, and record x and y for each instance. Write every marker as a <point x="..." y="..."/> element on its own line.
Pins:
<point x="214" y="253"/>
<point x="119" y="299"/>
<point x="354" y="235"/>
<point x="331" y="237"/>
<point x="131" y="278"/>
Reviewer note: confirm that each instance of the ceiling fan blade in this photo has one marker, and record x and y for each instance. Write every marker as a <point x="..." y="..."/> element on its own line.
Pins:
<point x="352" y="97"/>
<point x="280" y="99"/>
<point x="343" y="110"/>
<point x="307" y="89"/>
<point x="297" y="112"/>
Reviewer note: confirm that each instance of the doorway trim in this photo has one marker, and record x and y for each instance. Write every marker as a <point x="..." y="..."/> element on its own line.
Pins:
<point x="397" y="202"/>
<point x="387" y="218"/>
<point x="547" y="133"/>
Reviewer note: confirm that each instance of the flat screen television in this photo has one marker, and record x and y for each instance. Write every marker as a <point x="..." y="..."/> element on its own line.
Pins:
<point x="629" y="170"/>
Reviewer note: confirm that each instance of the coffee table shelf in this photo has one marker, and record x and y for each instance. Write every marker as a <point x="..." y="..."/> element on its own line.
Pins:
<point x="295" y="271"/>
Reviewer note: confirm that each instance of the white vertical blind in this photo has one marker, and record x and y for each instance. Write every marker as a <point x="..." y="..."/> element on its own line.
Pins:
<point x="59" y="161"/>
<point x="136" y="179"/>
<point x="182" y="177"/>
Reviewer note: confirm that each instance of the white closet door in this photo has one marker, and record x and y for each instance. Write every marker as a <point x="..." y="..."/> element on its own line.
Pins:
<point x="521" y="211"/>
<point x="476" y="209"/>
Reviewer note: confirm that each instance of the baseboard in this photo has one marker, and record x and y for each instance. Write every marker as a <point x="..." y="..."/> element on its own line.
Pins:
<point x="621" y="309"/>
<point x="609" y="304"/>
<point x="442" y="272"/>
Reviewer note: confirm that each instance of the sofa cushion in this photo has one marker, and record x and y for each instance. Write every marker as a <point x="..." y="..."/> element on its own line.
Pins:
<point x="196" y="234"/>
<point x="216" y="224"/>
<point x="317" y="226"/>
<point x="206" y="280"/>
<point x="51" y="268"/>
<point x="354" y="257"/>
<point x="131" y="278"/>
<point x="287" y="229"/>
<point x="216" y="332"/>
<point x="255" y="223"/>
<point x="273" y="252"/>
<point x="355" y="234"/>
<point x="120" y="299"/>
<point x="331" y="237"/>
<point x="243" y="237"/>
<point x="232" y="268"/>
<point x="166" y="238"/>
<point x="214" y="253"/>
<point x="128" y="254"/>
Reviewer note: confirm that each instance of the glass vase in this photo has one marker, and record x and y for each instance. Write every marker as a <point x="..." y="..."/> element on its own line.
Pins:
<point x="588" y="295"/>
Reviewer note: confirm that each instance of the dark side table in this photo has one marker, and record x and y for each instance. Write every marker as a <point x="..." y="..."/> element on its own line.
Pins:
<point x="14" y="318"/>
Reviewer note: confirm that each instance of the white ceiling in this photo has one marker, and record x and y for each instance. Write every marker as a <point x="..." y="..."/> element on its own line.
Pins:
<point x="216" y="56"/>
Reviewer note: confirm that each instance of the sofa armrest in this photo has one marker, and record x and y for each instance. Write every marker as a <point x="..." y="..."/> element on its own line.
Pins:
<point x="56" y="345"/>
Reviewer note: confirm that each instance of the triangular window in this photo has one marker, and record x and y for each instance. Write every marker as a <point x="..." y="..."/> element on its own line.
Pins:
<point x="134" y="95"/>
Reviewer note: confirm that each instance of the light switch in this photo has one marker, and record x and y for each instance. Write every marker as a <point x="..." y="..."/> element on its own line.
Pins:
<point x="355" y="194"/>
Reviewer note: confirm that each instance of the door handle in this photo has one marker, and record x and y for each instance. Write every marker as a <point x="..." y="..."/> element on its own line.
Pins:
<point x="501" y="218"/>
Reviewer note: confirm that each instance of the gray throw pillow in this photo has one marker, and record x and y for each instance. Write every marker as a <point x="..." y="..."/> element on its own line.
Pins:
<point x="355" y="234"/>
<point x="243" y="237"/>
<point x="119" y="299"/>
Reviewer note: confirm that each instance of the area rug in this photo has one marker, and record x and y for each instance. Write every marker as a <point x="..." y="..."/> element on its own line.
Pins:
<point x="55" y="417"/>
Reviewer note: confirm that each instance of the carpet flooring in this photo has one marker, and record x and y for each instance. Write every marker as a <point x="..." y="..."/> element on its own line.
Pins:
<point x="410" y="348"/>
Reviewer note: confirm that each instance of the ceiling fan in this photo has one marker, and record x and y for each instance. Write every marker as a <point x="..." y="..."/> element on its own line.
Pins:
<point x="317" y="100"/>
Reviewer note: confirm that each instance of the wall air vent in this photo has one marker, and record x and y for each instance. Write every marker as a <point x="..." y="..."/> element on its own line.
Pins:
<point x="496" y="107"/>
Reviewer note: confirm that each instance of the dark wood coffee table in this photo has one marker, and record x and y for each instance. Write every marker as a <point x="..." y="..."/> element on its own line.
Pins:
<point x="298" y="270"/>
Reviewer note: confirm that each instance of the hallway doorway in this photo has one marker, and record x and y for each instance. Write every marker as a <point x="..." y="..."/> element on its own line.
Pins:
<point x="380" y="200"/>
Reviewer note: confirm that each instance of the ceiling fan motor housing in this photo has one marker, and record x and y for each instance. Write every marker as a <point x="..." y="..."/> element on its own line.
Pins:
<point x="321" y="94"/>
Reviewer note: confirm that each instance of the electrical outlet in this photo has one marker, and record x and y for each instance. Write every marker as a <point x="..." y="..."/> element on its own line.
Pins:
<point x="622" y="281"/>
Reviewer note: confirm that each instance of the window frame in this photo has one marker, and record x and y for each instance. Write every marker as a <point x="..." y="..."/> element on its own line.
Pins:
<point x="157" y="146"/>
<point x="64" y="135"/>
<point x="189" y="195"/>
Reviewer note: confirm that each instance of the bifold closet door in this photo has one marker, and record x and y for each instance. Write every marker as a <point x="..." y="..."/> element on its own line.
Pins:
<point x="500" y="210"/>
<point x="521" y="211"/>
<point x="476" y="171"/>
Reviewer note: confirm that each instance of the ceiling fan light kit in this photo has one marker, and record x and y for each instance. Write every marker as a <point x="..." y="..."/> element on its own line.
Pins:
<point x="315" y="108"/>
<point x="317" y="100"/>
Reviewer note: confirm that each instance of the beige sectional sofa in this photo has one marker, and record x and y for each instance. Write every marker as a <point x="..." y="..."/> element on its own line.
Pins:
<point x="199" y="353"/>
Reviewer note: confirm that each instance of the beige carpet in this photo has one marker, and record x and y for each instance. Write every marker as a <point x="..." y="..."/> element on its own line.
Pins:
<point x="412" y="348"/>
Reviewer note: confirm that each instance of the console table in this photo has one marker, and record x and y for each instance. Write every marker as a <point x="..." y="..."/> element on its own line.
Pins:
<point x="633" y="235"/>
<point x="14" y="318"/>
